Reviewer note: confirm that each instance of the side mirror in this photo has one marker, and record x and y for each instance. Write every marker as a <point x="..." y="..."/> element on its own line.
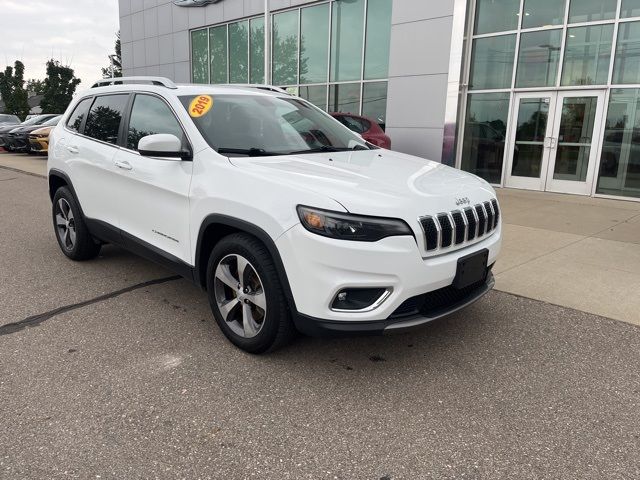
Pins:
<point x="163" y="145"/>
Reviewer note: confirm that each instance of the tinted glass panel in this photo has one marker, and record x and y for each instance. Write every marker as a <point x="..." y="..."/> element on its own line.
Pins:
<point x="591" y="10"/>
<point x="238" y="52"/>
<point x="484" y="135"/>
<point x="345" y="98"/>
<point x="257" y="50"/>
<point x="149" y="116"/>
<point x="316" y="94"/>
<point x="200" y="56"/>
<point x="620" y="162"/>
<point x="285" y="48"/>
<point x="374" y="102"/>
<point x="314" y="44"/>
<point x="346" y="40"/>
<point x="627" y="62"/>
<point x="587" y="55"/>
<point x="492" y="62"/>
<point x="496" y="15"/>
<point x="531" y="130"/>
<point x="376" y="59"/>
<point x="630" y="8"/>
<point x="103" y="121"/>
<point x="218" y="40"/>
<point x="540" y="13"/>
<point x="574" y="140"/>
<point x="75" y="119"/>
<point x="538" y="58"/>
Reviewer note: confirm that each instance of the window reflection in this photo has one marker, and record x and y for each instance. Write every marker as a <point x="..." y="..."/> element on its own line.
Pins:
<point x="492" y="62"/>
<point x="620" y="160"/>
<point x="591" y="10"/>
<point x="627" y="63"/>
<point x="496" y="16"/>
<point x="538" y="58"/>
<point x="484" y="135"/>
<point x="199" y="60"/>
<point x="587" y="55"/>
<point x="541" y="13"/>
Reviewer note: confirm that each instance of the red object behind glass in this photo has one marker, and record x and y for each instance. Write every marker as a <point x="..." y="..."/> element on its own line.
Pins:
<point x="369" y="129"/>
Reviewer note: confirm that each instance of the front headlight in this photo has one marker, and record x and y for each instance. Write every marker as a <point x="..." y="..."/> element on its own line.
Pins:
<point x="345" y="226"/>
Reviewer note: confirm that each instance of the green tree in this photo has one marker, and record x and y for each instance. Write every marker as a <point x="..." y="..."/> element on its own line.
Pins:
<point x="13" y="91"/>
<point x="115" y="61"/>
<point x="35" y="86"/>
<point x="59" y="87"/>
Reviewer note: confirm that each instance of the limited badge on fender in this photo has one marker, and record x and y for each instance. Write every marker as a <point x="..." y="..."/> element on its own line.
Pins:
<point x="200" y="105"/>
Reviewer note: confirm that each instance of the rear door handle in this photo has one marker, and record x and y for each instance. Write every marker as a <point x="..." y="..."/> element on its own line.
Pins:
<point x="72" y="149"/>
<point x="124" y="165"/>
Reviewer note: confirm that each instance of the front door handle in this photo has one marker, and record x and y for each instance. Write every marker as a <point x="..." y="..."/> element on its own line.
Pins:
<point x="124" y="165"/>
<point x="72" y="149"/>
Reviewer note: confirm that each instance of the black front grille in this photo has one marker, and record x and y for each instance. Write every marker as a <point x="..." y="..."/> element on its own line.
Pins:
<point x="431" y="232"/>
<point x="435" y="303"/>
<point x="459" y="226"/>
<point x="447" y="230"/>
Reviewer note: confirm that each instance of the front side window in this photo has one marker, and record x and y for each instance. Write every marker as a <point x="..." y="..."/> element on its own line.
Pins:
<point x="150" y="116"/>
<point x="257" y="125"/>
<point x="103" y="121"/>
<point x="77" y="116"/>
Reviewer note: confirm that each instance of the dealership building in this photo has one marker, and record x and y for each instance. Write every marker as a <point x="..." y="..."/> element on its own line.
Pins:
<point x="533" y="94"/>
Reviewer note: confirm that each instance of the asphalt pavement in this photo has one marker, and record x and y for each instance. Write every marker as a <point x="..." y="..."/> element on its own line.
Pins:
<point x="114" y="368"/>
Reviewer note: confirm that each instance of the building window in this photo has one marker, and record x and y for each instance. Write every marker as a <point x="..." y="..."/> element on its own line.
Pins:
<point x="592" y="10"/>
<point x="630" y="8"/>
<point x="485" y="131"/>
<point x="620" y="159"/>
<point x="627" y="63"/>
<point x="587" y="55"/>
<point x="543" y="13"/>
<point x="334" y="54"/>
<point x="496" y="16"/>
<point x="492" y="62"/>
<point x="538" y="58"/>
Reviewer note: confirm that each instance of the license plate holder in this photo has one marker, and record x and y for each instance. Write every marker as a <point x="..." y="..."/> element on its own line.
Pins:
<point x="471" y="269"/>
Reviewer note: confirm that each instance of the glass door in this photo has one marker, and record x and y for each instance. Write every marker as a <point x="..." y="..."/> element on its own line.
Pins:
<point x="531" y="140"/>
<point x="553" y="145"/>
<point x="574" y="148"/>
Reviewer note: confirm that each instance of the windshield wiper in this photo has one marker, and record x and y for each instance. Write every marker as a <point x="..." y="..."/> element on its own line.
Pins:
<point x="250" y="152"/>
<point x="327" y="148"/>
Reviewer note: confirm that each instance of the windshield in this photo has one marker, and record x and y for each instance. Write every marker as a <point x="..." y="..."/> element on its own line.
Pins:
<point x="9" y="118"/>
<point x="259" y="125"/>
<point x="33" y="121"/>
<point x="53" y="122"/>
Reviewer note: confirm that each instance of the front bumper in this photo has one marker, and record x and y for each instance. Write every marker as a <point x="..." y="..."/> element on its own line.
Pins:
<point x="18" y="142"/>
<point x="318" y="268"/>
<point x="396" y="323"/>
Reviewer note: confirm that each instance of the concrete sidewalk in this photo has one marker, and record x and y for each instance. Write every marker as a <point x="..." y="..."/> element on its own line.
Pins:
<point x="568" y="250"/>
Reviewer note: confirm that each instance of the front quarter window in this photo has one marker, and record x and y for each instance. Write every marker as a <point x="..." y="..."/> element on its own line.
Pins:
<point x="254" y="125"/>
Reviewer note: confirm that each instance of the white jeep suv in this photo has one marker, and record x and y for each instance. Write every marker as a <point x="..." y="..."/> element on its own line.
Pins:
<point x="285" y="217"/>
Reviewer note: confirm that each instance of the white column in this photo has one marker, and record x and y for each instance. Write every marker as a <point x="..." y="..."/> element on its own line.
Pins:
<point x="267" y="43"/>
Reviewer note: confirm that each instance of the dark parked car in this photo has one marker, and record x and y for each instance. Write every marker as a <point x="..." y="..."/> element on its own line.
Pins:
<point x="6" y="119"/>
<point x="37" y="120"/>
<point x="369" y="129"/>
<point x="18" y="139"/>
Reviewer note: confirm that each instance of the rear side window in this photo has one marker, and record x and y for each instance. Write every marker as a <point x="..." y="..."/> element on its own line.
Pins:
<point x="77" y="116"/>
<point x="103" y="121"/>
<point x="149" y="116"/>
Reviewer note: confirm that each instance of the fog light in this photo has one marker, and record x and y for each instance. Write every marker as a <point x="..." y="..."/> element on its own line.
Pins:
<point x="359" y="299"/>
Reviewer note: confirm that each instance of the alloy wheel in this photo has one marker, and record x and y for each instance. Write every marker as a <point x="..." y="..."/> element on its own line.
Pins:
<point x="240" y="296"/>
<point x="65" y="224"/>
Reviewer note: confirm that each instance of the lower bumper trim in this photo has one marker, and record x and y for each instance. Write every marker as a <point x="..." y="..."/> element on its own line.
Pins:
<point x="319" y="327"/>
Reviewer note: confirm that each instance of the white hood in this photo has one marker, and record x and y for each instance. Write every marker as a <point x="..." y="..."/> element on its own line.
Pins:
<point x="375" y="182"/>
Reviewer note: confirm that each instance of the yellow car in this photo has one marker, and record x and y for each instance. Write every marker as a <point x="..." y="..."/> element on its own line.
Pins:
<point x="39" y="140"/>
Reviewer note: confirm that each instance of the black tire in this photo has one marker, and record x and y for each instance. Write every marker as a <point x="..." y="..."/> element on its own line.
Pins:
<point x="84" y="247"/>
<point x="277" y="329"/>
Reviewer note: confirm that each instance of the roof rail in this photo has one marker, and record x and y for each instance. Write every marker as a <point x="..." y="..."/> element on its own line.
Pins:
<point x="259" y="86"/>
<point x="160" y="81"/>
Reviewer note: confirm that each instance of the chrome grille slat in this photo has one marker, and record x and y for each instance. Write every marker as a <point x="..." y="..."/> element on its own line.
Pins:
<point x="450" y="230"/>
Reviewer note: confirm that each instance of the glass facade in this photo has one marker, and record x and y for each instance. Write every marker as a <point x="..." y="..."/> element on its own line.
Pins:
<point x="520" y="46"/>
<point x="334" y="54"/>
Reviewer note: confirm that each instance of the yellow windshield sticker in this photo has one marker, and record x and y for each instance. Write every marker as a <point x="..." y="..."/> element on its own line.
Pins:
<point x="200" y="106"/>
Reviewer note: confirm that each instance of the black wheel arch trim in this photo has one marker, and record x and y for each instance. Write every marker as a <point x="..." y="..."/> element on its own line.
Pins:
<point x="257" y="232"/>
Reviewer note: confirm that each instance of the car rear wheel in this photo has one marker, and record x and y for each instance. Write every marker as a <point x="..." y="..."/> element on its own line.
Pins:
<point x="246" y="296"/>
<point x="71" y="231"/>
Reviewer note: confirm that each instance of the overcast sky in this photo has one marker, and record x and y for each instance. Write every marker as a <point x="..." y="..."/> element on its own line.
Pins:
<point x="79" y="33"/>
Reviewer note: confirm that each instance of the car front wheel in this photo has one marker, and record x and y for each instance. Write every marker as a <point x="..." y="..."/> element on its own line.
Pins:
<point x="245" y="294"/>
<point x="71" y="231"/>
